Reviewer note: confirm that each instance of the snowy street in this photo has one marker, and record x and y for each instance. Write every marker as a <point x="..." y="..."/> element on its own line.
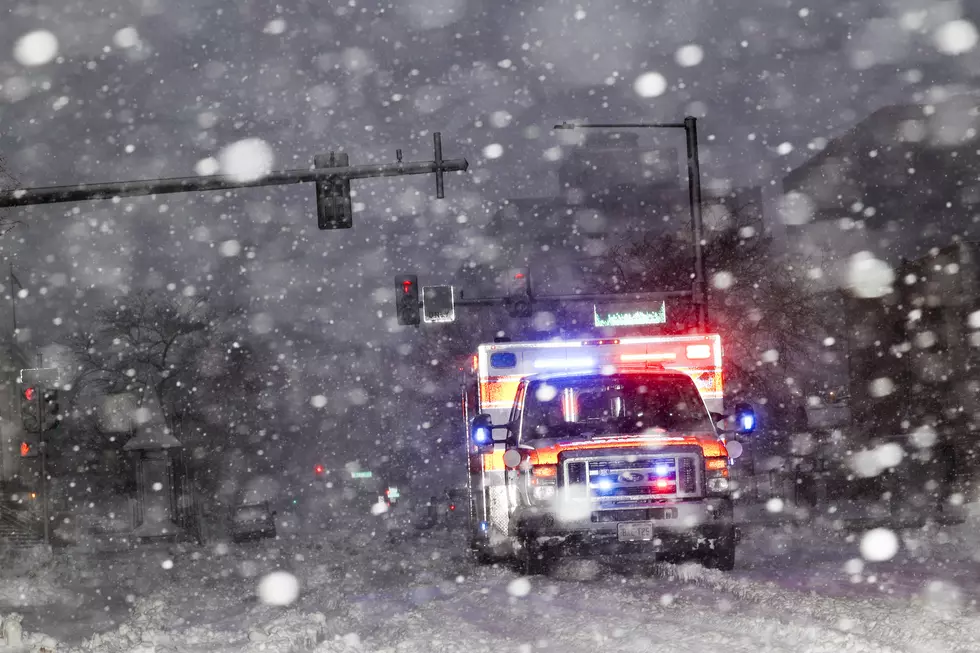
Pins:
<point x="424" y="594"/>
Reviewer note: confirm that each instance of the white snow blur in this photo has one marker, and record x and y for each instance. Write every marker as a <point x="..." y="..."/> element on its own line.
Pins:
<point x="246" y="160"/>
<point x="36" y="48"/>
<point x="879" y="544"/>
<point x="868" y="276"/>
<point x="278" y="588"/>
<point x="956" y="37"/>
<point x="651" y="84"/>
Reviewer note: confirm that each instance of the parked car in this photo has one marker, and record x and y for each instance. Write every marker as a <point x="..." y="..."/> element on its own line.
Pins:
<point x="253" y="521"/>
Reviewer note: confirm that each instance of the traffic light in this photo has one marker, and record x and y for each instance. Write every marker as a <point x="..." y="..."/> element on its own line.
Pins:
<point x="333" y="204"/>
<point x="518" y="287"/>
<point x="51" y="410"/>
<point x="319" y="470"/>
<point x="407" y="299"/>
<point x="28" y="409"/>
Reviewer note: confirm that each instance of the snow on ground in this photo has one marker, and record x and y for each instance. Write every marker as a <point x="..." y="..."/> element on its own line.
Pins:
<point x="363" y="590"/>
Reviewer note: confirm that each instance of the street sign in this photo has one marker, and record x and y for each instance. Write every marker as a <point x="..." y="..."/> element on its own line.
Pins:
<point x="438" y="304"/>
<point x="629" y="315"/>
<point x="47" y="377"/>
<point x="361" y="474"/>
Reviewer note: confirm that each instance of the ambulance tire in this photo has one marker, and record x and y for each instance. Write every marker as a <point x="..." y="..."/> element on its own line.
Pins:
<point x="483" y="556"/>
<point x="533" y="560"/>
<point x="722" y="555"/>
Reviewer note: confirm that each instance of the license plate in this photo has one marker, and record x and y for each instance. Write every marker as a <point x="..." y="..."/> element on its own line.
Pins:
<point x="639" y="531"/>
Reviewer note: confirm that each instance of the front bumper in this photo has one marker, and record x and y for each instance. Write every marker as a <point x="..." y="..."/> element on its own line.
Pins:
<point x="678" y="527"/>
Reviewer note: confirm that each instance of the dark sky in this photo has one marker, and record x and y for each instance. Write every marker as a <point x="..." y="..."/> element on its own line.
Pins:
<point x="145" y="88"/>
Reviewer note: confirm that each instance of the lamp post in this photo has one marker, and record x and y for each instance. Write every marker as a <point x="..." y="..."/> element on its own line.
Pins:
<point x="690" y="127"/>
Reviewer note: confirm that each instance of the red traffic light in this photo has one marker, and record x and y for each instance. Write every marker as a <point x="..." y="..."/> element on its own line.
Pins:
<point x="319" y="469"/>
<point x="25" y="449"/>
<point x="406" y="286"/>
<point x="519" y="275"/>
<point x="29" y="394"/>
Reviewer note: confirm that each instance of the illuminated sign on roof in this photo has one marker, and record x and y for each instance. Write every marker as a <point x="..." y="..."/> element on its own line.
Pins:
<point x="619" y="315"/>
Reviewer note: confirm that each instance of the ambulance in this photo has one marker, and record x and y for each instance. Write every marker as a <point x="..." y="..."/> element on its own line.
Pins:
<point x="600" y="447"/>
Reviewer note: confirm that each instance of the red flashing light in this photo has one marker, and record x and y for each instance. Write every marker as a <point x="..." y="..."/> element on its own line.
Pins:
<point x="452" y="506"/>
<point x="29" y="394"/>
<point x="319" y="469"/>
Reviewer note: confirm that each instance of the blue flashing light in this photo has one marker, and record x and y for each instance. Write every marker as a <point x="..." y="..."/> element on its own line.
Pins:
<point x="662" y="470"/>
<point x="747" y="422"/>
<point x="604" y="484"/>
<point x="484" y="526"/>
<point x="481" y="435"/>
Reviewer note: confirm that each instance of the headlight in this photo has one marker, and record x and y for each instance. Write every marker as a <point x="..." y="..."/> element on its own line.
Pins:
<point x="716" y="475"/>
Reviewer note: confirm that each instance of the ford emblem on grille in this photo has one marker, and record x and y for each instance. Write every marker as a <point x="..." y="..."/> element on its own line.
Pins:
<point x="631" y="477"/>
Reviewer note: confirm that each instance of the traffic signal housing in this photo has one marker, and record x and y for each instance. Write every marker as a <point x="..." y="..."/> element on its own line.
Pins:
<point x="333" y="204"/>
<point x="518" y="289"/>
<point x="407" y="300"/>
<point x="29" y="409"/>
<point x="51" y="410"/>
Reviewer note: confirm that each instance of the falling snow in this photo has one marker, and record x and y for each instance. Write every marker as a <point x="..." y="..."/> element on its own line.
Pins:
<point x="879" y="544"/>
<point x="246" y="160"/>
<point x="689" y="55"/>
<point x="36" y="48"/>
<point x="650" y="85"/>
<point x="956" y="37"/>
<point x="278" y="588"/>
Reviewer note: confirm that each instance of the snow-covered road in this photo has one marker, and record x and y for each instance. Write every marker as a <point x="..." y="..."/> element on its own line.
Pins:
<point x="795" y="590"/>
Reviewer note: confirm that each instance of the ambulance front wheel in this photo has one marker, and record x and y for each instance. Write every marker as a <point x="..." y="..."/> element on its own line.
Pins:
<point x="721" y="556"/>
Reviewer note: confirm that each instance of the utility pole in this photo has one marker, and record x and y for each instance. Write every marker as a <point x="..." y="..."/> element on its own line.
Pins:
<point x="42" y="444"/>
<point x="690" y="127"/>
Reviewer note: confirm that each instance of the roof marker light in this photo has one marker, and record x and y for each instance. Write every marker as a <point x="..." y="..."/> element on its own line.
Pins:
<point x="695" y="352"/>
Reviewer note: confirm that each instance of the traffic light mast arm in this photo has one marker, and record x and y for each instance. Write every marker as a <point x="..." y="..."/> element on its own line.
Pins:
<point x="82" y="192"/>
<point x="583" y="297"/>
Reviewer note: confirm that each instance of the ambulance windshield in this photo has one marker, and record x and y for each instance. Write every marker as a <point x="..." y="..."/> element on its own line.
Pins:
<point x="596" y="405"/>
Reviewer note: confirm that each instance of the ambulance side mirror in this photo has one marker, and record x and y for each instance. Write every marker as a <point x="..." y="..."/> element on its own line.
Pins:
<point x="741" y="421"/>
<point x="483" y="433"/>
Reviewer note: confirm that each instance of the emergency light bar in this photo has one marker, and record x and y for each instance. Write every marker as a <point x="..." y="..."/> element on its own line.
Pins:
<point x="501" y="366"/>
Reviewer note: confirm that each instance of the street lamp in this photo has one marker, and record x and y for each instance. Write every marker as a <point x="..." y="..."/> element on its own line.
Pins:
<point x="690" y="127"/>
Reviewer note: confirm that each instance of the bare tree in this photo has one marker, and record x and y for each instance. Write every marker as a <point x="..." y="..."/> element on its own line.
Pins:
<point x="146" y="344"/>
<point x="7" y="180"/>
<point x="760" y="305"/>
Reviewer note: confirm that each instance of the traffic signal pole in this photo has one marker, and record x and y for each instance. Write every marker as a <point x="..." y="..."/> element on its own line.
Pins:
<point x="690" y="127"/>
<point x="42" y="444"/>
<point x="102" y="191"/>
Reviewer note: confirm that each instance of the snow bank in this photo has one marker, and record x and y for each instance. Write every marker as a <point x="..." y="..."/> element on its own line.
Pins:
<point x="31" y="577"/>
<point x="930" y="622"/>
<point x="151" y="628"/>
